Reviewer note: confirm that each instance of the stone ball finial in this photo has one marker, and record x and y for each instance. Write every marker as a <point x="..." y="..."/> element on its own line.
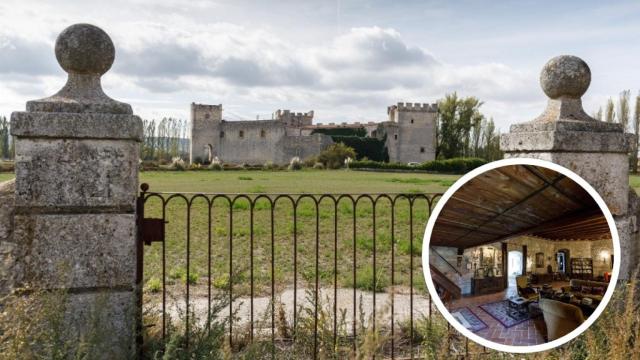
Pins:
<point x="565" y="76"/>
<point x="84" y="49"/>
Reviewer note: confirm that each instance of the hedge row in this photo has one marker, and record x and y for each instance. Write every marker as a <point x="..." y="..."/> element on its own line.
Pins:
<point x="449" y="166"/>
<point x="365" y="147"/>
<point x="359" y="132"/>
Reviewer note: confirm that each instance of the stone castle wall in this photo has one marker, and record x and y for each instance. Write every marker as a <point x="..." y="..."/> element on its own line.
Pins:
<point x="410" y="129"/>
<point x="253" y="142"/>
<point x="411" y="132"/>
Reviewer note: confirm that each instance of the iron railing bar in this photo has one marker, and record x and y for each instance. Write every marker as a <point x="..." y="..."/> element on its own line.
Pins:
<point x="411" y="278"/>
<point x="335" y="274"/>
<point x="209" y="268"/>
<point x="409" y="195"/>
<point x="317" y="198"/>
<point x="295" y="268"/>
<point x="231" y="274"/>
<point x="393" y="290"/>
<point x="315" y="300"/>
<point x="273" y="285"/>
<point x="375" y="273"/>
<point x="355" y="253"/>
<point x="188" y="274"/>
<point x="164" y="281"/>
<point x="251" y="242"/>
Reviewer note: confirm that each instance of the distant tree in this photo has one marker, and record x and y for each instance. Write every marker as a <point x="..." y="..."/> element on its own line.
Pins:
<point x="448" y="135"/>
<point x="5" y="146"/>
<point x="476" y="127"/>
<point x="610" y="114"/>
<point x="461" y="128"/>
<point x="624" y="109"/>
<point x="636" y="131"/>
<point x="491" y="142"/>
<point x="334" y="155"/>
<point x="598" y="114"/>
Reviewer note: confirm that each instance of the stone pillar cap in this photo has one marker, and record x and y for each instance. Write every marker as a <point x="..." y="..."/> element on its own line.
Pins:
<point x="564" y="79"/>
<point x="85" y="52"/>
<point x="564" y="126"/>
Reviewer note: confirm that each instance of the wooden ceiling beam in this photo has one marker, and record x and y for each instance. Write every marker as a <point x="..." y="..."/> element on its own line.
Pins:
<point x="518" y="203"/>
<point x="574" y="199"/>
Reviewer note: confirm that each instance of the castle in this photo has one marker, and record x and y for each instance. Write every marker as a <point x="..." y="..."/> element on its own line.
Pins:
<point x="409" y="135"/>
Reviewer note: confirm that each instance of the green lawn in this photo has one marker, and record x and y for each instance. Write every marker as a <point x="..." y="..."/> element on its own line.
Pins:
<point x="308" y="181"/>
<point x="6" y="176"/>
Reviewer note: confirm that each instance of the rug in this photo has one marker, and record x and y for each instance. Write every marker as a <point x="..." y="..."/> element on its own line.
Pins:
<point x="468" y="319"/>
<point x="499" y="311"/>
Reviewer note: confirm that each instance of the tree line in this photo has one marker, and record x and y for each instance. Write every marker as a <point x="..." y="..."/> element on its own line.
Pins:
<point x="6" y="143"/>
<point x="165" y="139"/>
<point x="620" y="112"/>
<point x="463" y="131"/>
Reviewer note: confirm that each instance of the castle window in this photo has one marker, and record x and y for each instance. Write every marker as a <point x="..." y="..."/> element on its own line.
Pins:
<point x="421" y="149"/>
<point x="412" y="121"/>
<point x="395" y="137"/>
<point x="263" y="133"/>
<point x="207" y="116"/>
<point x="221" y="134"/>
<point x="241" y="134"/>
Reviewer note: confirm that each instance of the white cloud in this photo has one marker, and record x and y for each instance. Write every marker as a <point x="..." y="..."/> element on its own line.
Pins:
<point x="162" y="67"/>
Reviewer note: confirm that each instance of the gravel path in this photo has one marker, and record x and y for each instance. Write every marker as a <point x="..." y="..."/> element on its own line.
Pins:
<point x="262" y="308"/>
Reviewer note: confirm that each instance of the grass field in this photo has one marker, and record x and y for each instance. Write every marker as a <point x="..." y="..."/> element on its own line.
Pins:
<point x="6" y="176"/>
<point x="307" y="181"/>
<point x="310" y="182"/>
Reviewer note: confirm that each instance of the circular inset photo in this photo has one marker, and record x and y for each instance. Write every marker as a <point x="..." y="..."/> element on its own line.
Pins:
<point x="521" y="255"/>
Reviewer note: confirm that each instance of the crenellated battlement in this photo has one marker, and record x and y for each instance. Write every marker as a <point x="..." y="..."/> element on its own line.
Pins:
<point x="416" y="107"/>
<point x="206" y="107"/>
<point x="294" y="118"/>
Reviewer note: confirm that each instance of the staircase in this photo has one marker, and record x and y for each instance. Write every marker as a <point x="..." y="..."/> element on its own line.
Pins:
<point x="445" y="277"/>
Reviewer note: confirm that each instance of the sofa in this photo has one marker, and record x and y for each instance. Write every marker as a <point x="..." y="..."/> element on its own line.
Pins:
<point x="560" y="318"/>
<point x="586" y="289"/>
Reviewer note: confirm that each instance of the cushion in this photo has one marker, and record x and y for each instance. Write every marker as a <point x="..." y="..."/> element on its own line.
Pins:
<point x="527" y="291"/>
<point x="586" y="289"/>
<point x="597" y="290"/>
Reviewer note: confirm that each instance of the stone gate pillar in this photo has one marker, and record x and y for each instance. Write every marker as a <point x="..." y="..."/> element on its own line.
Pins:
<point x="76" y="182"/>
<point x="596" y="150"/>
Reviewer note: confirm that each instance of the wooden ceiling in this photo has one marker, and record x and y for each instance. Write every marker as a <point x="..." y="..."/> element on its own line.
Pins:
<point x="518" y="200"/>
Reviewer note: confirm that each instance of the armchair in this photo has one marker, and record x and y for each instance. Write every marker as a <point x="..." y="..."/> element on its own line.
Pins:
<point x="525" y="290"/>
<point x="560" y="318"/>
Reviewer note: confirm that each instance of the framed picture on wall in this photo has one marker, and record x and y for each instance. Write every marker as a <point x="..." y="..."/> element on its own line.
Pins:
<point x="539" y="260"/>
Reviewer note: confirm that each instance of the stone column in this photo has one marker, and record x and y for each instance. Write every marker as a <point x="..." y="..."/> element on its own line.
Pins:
<point x="596" y="150"/>
<point x="77" y="156"/>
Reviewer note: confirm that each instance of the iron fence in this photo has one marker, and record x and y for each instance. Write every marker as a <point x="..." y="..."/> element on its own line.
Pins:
<point x="327" y="233"/>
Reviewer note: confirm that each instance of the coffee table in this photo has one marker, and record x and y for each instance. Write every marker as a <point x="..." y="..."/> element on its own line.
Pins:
<point x="518" y="307"/>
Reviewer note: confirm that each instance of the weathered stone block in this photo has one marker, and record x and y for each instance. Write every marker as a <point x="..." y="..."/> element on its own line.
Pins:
<point x="628" y="234"/>
<point x="574" y="141"/>
<point x="7" y="245"/>
<point x="76" y="126"/>
<point x="66" y="175"/>
<point x="102" y="322"/>
<point x="603" y="171"/>
<point x="76" y="250"/>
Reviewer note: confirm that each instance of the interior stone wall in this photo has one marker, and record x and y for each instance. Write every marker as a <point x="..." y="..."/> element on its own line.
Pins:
<point x="577" y="249"/>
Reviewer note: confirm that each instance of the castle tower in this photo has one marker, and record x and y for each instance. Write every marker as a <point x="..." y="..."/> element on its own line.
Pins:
<point x="294" y="119"/>
<point x="205" y="132"/>
<point x="411" y="132"/>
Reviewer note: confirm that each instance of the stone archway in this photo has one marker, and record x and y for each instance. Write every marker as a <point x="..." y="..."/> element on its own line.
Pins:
<point x="208" y="151"/>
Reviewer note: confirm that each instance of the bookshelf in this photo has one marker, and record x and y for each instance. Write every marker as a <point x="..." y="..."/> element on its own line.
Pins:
<point x="581" y="268"/>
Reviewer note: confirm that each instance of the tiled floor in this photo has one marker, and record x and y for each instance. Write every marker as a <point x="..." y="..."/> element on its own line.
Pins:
<point x="530" y="332"/>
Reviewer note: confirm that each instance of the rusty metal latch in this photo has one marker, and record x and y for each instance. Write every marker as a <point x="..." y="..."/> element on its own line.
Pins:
<point x="152" y="230"/>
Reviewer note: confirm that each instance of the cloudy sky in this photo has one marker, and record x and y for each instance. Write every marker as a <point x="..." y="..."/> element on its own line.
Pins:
<point x="347" y="60"/>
